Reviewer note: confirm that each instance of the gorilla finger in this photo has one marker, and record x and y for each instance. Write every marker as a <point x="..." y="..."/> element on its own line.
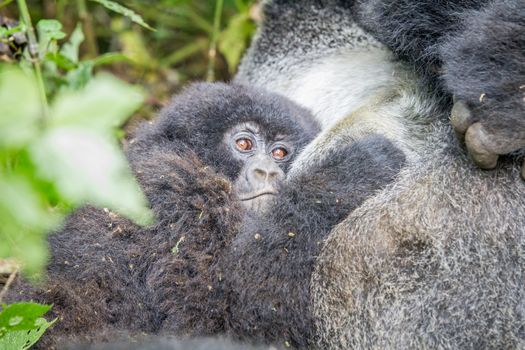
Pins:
<point x="461" y="118"/>
<point x="476" y="142"/>
<point x="499" y="140"/>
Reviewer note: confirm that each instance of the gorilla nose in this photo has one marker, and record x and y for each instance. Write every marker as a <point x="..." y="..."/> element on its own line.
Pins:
<point x="265" y="171"/>
<point x="266" y="175"/>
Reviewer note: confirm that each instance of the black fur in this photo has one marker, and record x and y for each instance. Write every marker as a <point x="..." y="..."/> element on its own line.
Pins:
<point x="269" y="267"/>
<point x="169" y="343"/>
<point x="412" y="29"/>
<point x="484" y="64"/>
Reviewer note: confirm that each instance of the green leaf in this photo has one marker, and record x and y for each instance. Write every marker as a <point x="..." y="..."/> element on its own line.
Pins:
<point x="19" y="107"/>
<point x="116" y="7"/>
<point x="70" y="49"/>
<point x="109" y="58"/>
<point x="105" y="103"/>
<point x="21" y="201"/>
<point x="79" y="77"/>
<point x="49" y="31"/>
<point x="134" y="47"/>
<point x="23" y="340"/>
<point x="10" y="31"/>
<point x="87" y="166"/>
<point x="22" y="316"/>
<point x="60" y="60"/>
<point x="234" y="39"/>
<point x="25" y="219"/>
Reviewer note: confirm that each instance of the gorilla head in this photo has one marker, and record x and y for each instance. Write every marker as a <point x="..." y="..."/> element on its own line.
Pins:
<point x="248" y="135"/>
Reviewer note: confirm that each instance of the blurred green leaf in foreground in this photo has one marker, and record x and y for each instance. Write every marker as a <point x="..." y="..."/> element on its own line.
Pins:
<point x="56" y="156"/>
<point x="51" y="166"/>
<point x="22" y="324"/>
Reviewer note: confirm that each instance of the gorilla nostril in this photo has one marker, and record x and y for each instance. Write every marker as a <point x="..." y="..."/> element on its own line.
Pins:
<point x="274" y="175"/>
<point x="260" y="173"/>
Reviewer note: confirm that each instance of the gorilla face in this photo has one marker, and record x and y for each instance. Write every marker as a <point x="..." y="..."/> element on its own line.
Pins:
<point x="246" y="134"/>
<point x="264" y="159"/>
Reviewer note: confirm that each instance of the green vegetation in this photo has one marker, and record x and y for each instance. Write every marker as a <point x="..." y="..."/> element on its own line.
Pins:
<point x="22" y="324"/>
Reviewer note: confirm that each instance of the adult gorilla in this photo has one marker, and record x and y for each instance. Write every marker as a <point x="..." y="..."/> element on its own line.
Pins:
<point x="437" y="259"/>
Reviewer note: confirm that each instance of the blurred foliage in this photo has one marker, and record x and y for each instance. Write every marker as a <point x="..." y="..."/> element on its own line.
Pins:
<point x="50" y="165"/>
<point x="56" y="156"/>
<point x="61" y="118"/>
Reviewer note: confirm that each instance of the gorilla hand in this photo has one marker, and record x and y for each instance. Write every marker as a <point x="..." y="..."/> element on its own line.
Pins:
<point x="485" y="142"/>
<point x="483" y="66"/>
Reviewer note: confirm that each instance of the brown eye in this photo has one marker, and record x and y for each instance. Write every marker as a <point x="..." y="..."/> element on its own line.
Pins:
<point x="244" y="144"/>
<point x="279" y="153"/>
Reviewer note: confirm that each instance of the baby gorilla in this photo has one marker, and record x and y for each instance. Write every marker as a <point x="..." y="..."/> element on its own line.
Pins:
<point x="233" y="246"/>
<point x="214" y="150"/>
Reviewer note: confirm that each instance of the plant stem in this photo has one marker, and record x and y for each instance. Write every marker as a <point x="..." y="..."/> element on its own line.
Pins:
<point x="186" y="51"/>
<point x="10" y="281"/>
<point x="87" y="27"/>
<point x="212" y="52"/>
<point x="33" y="53"/>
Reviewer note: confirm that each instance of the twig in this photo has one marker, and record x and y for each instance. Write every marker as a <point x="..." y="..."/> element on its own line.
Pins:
<point x="10" y="280"/>
<point x="212" y="52"/>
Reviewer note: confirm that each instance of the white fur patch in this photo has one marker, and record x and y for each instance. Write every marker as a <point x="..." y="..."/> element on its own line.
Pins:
<point x="336" y="86"/>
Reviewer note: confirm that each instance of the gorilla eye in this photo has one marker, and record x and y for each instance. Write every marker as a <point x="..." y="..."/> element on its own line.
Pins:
<point x="279" y="153"/>
<point x="244" y="144"/>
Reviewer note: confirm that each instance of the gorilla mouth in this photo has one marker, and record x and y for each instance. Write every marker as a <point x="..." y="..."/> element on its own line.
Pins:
<point x="250" y="196"/>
